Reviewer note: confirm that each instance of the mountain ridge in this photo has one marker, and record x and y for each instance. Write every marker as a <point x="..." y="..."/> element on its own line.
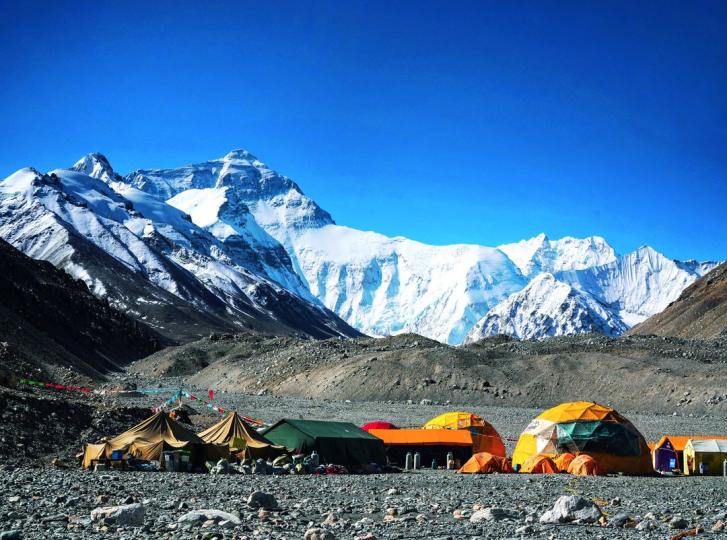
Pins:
<point x="245" y="223"/>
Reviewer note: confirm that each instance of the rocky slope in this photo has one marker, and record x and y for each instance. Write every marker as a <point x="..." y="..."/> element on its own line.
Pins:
<point x="699" y="312"/>
<point x="629" y="373"/>
<point x="148" y="259"/>
<point x="49" y="321"/>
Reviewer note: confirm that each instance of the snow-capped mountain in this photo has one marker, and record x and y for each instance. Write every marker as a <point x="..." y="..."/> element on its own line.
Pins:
<point x="66" y="215"/>
<point x="280" y="207"/>
<point x="380" y="285"/>
<point x="540" y="254"/>
<point x="236" y="241"/>
<point x="547" y="307"/>
<point x="637" y="285"/>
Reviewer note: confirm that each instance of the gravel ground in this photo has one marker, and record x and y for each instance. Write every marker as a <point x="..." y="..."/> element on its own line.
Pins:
<point x="45" y="502"/>
<point x="58" y="504"/>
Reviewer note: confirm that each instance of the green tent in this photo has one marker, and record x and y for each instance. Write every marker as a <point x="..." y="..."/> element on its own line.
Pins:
<point x="341" y="443"/>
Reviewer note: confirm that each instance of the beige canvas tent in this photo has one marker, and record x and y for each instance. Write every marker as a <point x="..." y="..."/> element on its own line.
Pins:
<point x="234" y="432"/>
<point x="153" y="436"/>
<point x="705" y="457"/>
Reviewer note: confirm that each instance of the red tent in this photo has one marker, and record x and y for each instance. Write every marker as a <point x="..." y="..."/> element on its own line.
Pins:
<point x="378" y="425"/>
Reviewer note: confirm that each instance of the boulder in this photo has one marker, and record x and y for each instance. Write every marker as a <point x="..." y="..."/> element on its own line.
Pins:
<point x="126" y="514"/>
<point x="570" y="508"/>
<point x="259" y="499"/>
<point x="200" y="516"/>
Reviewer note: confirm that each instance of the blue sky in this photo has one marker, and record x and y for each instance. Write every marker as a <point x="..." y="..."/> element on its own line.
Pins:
<point x="482" y="122"/>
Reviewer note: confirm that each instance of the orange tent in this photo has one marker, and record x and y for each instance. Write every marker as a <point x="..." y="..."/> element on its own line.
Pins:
<point x="486" y="463"/>
<point x="585" y="465"/>
<point x="563" y="461"/>
<point x="424" y="437"/>
<point x="538" y="464"/>
<point x="431" y="444"/>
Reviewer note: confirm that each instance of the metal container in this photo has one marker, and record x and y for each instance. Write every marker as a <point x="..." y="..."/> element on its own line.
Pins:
<point x="417" y="460"/>
<point x="409" y="461"/>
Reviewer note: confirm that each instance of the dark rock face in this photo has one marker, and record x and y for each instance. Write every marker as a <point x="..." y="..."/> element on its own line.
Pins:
<point x="699" y="312"/>
<point x="49" y="319"/>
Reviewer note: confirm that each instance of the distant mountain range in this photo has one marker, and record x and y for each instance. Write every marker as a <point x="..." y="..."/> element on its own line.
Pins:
<point x="230" y="244"/>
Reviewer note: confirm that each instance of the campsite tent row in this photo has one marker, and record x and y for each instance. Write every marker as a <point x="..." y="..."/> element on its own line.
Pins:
<point x="336" y="442"/>
<point x="685" y="453"/>
<point x="595" y="437"/>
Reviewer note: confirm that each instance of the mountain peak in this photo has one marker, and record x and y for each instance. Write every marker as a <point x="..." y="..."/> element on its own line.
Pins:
<point x="239" y="153"/>
<point x="96" y="165"/>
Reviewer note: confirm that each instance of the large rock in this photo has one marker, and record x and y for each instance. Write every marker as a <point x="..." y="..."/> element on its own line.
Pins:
<point x="208" y="515"/>
<point x="569" y="508"/>
<point x="259" y="499"/>
<point x="127" y="514"/>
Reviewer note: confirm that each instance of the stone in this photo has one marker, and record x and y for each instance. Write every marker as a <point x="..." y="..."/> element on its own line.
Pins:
<point x="11" y="535"/>
<point x="259" y="499"/>
<point x="620" y="521"/>
<point x="493" y="514"/>
<point x="646" y="525"/>
<point x="200" y="516"/>
<point x="525" y="529"/>
<point x="128" y="514"/>
<point x="678" y="522"/>
<point x="570" y="508"/>
<point x="318" y="534"/>
<point x="368" y="536"/>
<point x="718" y="526"/>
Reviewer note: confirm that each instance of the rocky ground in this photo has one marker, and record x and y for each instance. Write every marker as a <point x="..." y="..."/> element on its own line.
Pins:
<point x="662" y="385"/>
<point x="60" y="504"/>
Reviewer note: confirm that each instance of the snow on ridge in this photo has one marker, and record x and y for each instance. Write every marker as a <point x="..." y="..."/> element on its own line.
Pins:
<point x="546" y="307"/>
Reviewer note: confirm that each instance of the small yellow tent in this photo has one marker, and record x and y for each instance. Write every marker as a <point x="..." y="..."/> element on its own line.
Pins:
<point x="705" y="457"/>
<point x="148" y="439"/>
<point x="485" y="437"/>
<point x="586" y="427"/>
<point x="234" y="432"/>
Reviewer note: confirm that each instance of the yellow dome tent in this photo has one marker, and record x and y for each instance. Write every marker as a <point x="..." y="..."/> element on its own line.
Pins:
<point x="586" y="427"/>
<point x="485" y="437"/>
